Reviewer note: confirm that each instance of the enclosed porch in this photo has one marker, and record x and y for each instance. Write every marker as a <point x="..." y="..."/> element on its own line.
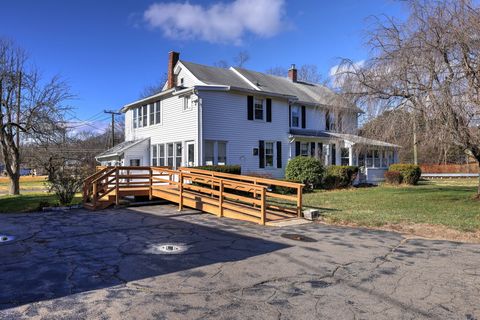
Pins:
<point x="373" y="157"/>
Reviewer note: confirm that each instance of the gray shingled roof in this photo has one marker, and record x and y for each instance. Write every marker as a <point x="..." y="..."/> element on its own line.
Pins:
<point x="308" y="93"/>
<point x="216" y="76"/>
<point x="304" y="91"/>
<point x="344" y="136"/>
<point x="119" y="148"/>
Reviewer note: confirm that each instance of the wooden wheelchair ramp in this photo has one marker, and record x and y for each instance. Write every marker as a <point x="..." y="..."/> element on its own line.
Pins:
<point x="240" y="197"/>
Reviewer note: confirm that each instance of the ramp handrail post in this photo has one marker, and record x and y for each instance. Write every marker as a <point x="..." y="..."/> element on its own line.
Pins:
<point x="94" y="198"/>
<point x="150" y="180"/>
<point x="117" y="188"/>
<point x="220" y="199"/>
<point x="180" y="189"/>
<point x="299" y="201"/>
<point x="263" y="206"/>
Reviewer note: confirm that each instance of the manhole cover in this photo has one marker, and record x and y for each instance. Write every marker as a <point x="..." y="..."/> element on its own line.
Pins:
<point x="298" y="237"/>
<point x="167" y="248"/>
<point x="5" y="238"/>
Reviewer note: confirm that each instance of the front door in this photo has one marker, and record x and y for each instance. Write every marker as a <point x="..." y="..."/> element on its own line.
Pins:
<point x="190" y="154"/>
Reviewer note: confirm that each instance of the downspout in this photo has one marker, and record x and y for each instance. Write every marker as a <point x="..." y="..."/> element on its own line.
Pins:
<point x="200" y="129"/>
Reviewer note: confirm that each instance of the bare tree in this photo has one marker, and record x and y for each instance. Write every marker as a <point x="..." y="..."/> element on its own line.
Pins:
<point x="306" y="73"/>
<point x="241" y="58"/>
<point x="221" y="64"/>
<point x="155" y="88"/>
<point x="30" y="109"/>
<point x="428" y="65"/>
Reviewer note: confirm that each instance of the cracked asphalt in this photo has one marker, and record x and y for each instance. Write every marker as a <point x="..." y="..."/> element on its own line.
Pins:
<point x="103" y="265"/>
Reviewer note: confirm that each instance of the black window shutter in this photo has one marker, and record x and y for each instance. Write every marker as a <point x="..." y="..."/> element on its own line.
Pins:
<point x="261" y="154"/>
<point x="304" y="118"/>
<point x="289" y="116"/>
<point x="250" y="107"/>
<point x="269" y="110"/>
<point x="312" y="149"/>
<point x="297" y="148"/>
<point x="279" y="154"/>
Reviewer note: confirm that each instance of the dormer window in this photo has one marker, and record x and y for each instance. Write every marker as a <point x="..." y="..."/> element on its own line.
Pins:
<point x="258" y="109"/>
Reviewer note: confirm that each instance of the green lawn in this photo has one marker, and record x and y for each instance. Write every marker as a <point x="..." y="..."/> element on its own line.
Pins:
<point x="27" y="183"/>
<point x="30" y="202"/>
<point x="441" y="202"/>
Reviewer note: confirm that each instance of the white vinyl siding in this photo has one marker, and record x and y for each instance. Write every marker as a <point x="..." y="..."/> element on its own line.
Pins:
<point x="224" y="119"/>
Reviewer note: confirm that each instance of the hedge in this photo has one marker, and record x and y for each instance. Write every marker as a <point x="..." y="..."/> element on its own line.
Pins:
<point x="393" y="177"/>
<point x="410" y="173"/>
<point x="306" y="170"/>
<point x="340" y="177"/>
<point x="233" y="169"/>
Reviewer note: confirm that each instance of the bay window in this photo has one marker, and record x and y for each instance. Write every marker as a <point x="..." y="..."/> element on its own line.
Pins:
<point x="304" y="149"/>
<point x="345" y="156"/>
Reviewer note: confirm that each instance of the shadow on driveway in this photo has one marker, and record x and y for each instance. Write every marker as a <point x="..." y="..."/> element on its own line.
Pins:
<point x="59" y="254"/>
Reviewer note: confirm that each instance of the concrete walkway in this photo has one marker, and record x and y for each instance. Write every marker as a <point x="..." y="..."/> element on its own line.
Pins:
<point x="108" y="265"/>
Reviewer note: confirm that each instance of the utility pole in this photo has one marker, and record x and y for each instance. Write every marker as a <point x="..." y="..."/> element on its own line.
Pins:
<point x="113" y="113"/>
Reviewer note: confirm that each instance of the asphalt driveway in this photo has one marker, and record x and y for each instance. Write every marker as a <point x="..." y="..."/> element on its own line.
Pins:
<point x="109" y="265"/>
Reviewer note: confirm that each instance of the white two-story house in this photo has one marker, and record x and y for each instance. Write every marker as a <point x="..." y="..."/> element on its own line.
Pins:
<point x="216" y="116"/>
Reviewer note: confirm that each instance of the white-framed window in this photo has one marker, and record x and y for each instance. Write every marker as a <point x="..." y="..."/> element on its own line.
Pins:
<point x="295" y="116"/>
<point x="155" y="155"/>
<point x="170" y="154"/>
<point x="330" y="121"/>
<point x="304" y="146"/>
<point x="269" y="154"/>
<point x="178" y="154"/>
<point x="345" y="156"/>
<point x="209" y="153"/>
<point x="258" y="109"/>
<point x="135" y="118"/>
<point x="144" y="115"/>
<point x="187" y="103"/>
<point x="215" y="152"/>
<point x="161" y="155"/>
<point x="369" y="159"/>
<point x="221" y="153"/>
<point x="134" y="162"/>
<point x="154" y="113"/>
<point x="376" y="158"/>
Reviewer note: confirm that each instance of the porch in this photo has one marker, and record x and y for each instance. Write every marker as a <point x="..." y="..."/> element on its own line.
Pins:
<point x="373" y="157"/>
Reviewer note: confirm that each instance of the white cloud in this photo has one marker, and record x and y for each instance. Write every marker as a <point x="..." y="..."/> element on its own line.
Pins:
<point x="220" y="22"/>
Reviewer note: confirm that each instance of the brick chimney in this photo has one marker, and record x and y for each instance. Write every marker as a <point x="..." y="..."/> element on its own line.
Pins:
<point x="172" y="61"/>
<point x="292" y="73"/>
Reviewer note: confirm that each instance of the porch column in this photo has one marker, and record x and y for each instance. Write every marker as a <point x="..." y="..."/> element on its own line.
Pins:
<point x="350" y="156"/>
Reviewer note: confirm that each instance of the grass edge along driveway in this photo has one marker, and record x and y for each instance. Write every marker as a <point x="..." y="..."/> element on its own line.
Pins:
<point x="448" y="203"/>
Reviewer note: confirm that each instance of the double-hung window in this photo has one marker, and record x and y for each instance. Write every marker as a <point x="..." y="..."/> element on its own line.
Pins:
<point x="154" y="113"/>
<point x="161" y="155"/>
<point x="178" y="154"/>
<point x="145" y="115"/>
<point x="258" y="109"/>
<point x="345" y="156"/>
<point x="209" y="152"/>
<point x="269" y="154"/>
<point x="295" y="116"/>
<point x="170" y="154"/>
<point x="304" y="149"/>
<point x="187" y="103"/>
<point x="222" y="153"/>
<point x="154" y="155"/>
<point x="135" y="118"/>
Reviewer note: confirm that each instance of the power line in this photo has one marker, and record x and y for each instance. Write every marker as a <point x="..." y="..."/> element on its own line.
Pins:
<point x="113" y="113"/>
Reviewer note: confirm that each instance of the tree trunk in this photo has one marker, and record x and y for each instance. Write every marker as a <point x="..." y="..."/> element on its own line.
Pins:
<point x="14" y="184"/>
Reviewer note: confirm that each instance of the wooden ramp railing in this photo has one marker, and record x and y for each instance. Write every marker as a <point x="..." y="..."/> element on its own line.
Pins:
<point x="225" y="195"/>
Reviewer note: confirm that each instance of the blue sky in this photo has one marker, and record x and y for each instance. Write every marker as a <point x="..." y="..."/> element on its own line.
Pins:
<point x="109" y="51"/>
